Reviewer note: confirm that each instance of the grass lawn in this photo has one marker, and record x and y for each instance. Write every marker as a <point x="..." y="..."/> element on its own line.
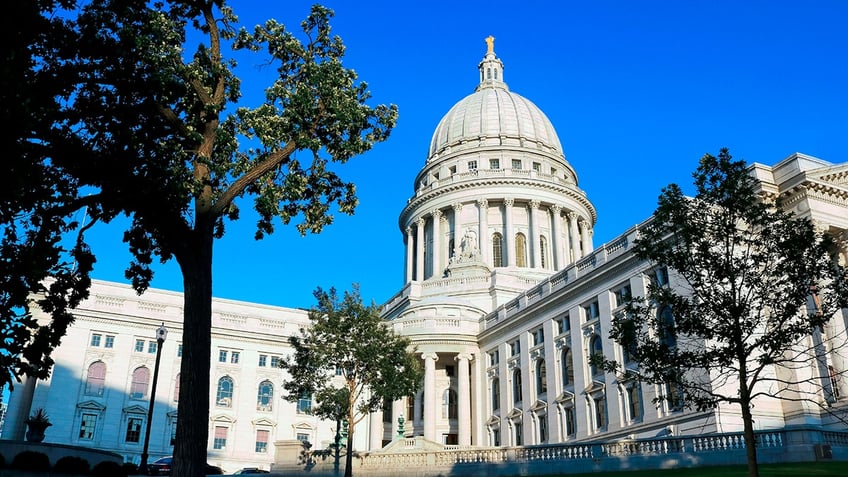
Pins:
<point x="802" y="469"/>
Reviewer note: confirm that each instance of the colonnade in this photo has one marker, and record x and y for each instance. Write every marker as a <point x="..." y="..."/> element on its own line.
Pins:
<point x="432" y="400"/>
<point x="566" y="250"/>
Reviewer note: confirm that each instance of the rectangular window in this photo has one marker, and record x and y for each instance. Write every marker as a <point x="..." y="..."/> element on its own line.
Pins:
<point x="622" y="295"/>
<point x="220" y="439"/>
<point x="110" y="342"/>
<point x="180" y="350"/>
<point x="515" y="348"/>
<point x="494" y="357"/>
<point x="234" y="357"/>
<point x="339" y="371"/>
<point x="87" y="425"/>
<point x="494" y="163"/>
<point x="496" y="437"/>
<point x="538" y="336"/>
<point x="275" y="361"/>
<point x="304" y="404"/>
<point x="590" y="311"/>
<point x="262" y="441"/>
<point x="543" y="428"/>
<point x="133" y="429"/>
<point x="222" y="356"/>
<point x="263" y="359"/>
<point x="554" y="171"/>
<point x="173" y="431"/>
<point x="139" y="346"/>
<point x="472" y="165"/>
<point x="537" y="167"/>
<point x="151" y="347"/>
<point x="563" y="324"/>
<point x="302" y="437"/>
<point x="661" y="277"/>
<point x="516" y="163"/>
<point x="95" y="339"/>
<point x="452" y="170"/>
<point x="600" y="413"/>
<point x="635" y="402"/>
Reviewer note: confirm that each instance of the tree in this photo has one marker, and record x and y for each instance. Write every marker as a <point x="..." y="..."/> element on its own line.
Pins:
<point x="753" y="282"/>
<point x="349" y="359"/>
<point x="145" y="129"/>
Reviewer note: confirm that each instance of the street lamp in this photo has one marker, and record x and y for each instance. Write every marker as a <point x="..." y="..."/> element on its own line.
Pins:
<point x="161" y="334"/>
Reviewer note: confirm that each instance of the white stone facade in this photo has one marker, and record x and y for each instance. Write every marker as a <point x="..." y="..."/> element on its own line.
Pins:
<point x="505" y="298"/>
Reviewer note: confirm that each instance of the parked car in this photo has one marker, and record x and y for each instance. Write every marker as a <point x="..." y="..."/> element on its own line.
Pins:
<point x="251" y="470"/>
<point x="163" y="466"/>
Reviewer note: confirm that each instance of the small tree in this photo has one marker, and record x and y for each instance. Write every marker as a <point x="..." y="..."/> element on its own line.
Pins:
<point x="350" y="361"/>
<point x="754" y="280"/>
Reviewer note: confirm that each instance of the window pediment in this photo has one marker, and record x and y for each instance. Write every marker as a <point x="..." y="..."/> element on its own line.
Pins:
<point x="264" y="421"/>
<point x="135" y="409"/>
<point x="565" y="397"/>
<point x="493" y="421"/>
<point x="594" y="387"/>
<point x="91" y="406"/>
<point x="515" y="412"/>
<point x="539" y="405"/>
<point x="222" y="418"/>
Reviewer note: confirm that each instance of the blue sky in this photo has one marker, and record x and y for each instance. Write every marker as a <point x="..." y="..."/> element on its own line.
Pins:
<point x="638" y="92"/>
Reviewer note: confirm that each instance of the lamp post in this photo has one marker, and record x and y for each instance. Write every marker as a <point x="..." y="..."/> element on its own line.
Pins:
<point x="161" y="334"/>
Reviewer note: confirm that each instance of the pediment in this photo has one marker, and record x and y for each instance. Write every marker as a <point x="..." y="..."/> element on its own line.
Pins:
<point x="135" y="409"/>
<point x="565" y="397"/>
<point x="91" y="406"/>
<point x="264" y="421"/>
<point x="627" y="375"/>
<point x="222" y="418"/>
<point x="515" y="412"/>
<point x="538" y="405"/>
<point x="493" y="421"/>
<point x="594" y="387"/>
<point x="303" y="426"/>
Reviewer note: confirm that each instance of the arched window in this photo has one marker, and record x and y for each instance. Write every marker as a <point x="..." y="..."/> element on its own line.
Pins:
<point x="567" y="364"/>
<point x="140" y="378"/>
<point x="497" y="249"/>
<point x="177" y="389"/>
<point x="449" y="404"/>
<point x="543" y="247"/>
<point x="541" y="378"/>
<point x="265" y="397"/>
<point x="516" y="386"/>
<point x="596" y="348"/>
<point x="496" y="394"/>
<point x="520" y="250"/>
<point x="96" y="379"/>
<point x="224" y="397"/>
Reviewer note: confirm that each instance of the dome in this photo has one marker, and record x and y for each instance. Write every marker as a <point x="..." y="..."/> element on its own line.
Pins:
<point x="493" y="116"/>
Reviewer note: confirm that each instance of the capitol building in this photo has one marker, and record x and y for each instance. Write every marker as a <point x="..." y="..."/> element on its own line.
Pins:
<point x="505" y="298"/>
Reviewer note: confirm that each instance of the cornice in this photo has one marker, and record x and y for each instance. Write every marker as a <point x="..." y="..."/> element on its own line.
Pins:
<point x="521" y="183"/>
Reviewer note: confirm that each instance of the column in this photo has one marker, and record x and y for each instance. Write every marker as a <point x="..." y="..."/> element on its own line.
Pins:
<point x="430" y="395"/>
<point x="586" y="236"/>
<point x="436" y="258"/>
<point x="457" y="230"/>
<point x="410" y="247"/>
<point x="575" y="236"/>
<point x="509" y="233"/>
<point x="376" y="436"/>
<point x="464" y="398"/>
<point x="419" y="250"/>
<point x="483" y="230"/>
<point x="556" y="243"/>
<point x="535" y="239"/>
<point x="18" y="410"/>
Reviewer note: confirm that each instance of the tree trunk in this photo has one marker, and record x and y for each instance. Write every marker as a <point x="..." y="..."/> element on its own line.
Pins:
<point x="750" y="439"/>
<point x="193" y="411"/>
<point x="349" y="456"/>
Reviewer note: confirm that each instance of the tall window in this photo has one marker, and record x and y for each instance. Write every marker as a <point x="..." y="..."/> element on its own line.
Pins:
<point x="96" y="380"/>
<point x="600" y="412"/>
<point x="95" y="339"/>
<point x="177" y="389"/>
<point x="262" y="441"/>
<point x="634" y="401"/>
<point x="220" y="439"/>
<point x="542" y="421"/>
<point x="541" y="378"/>
<point x="449" y="411"/>
<point x="496" y="394"/>
<point x="262" y="360"/>
<point x="567" y="363"/>
<point x="265" y="399"/>
<point x="497" y="249"/>
<point x="304" y="404"/>
<point x="140" y="378"/>
<point x="596" y="348"/>
<point x="667" y="332"/>
<point x="568" y="417"/>
<point x="224" y="397"/>
<point x="543" y="247"/>
<point x="133" y="429"/>
<point x="520" y="250"/>
<point x="410" y="408"/>
<point x="87" y="426"/>
<point x="516" y="426"/>
<point x="516" y="386"/>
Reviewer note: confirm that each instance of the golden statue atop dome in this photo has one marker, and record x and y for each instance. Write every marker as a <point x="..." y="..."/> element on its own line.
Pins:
<point x="490" y="43"/>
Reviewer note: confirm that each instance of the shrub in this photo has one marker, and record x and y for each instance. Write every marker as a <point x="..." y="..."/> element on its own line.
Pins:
<point x="31" y="461"/>
<point x="108" y="469"/>
<point x="71" y="465"/>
